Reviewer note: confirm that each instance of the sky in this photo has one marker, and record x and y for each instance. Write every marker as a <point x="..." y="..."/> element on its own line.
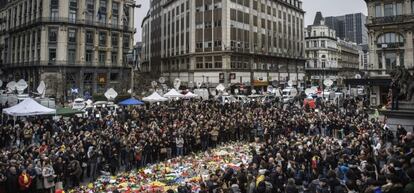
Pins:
<point x="327" y="7"/>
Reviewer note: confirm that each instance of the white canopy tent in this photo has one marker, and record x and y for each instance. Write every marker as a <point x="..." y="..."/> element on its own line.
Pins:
<point x="28" y="107"/>
<point x="173" y="94"/>
<point x="154" y="97"/>
<point x="190" y="95"/>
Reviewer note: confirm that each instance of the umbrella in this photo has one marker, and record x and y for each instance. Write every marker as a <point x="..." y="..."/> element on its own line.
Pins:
<point x="131" y="101"/>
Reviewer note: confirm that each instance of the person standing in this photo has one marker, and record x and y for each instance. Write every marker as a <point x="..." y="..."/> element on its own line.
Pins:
<point x="25" y="182"/>
<point x="179" y="142"/>
<point x="48" y="174"/>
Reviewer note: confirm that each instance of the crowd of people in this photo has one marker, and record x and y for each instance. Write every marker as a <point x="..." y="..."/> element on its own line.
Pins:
<point x="318" y="151"/>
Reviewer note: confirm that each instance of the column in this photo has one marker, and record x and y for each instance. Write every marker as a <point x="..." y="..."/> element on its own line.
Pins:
<point x="46" y="8"/>
<point x="62" y="44"/>
<point x="81" y="14"/>
<point x="81" y="45"/>
<point x="44" y="52"/>
<point x="96" y="45"/>
<point x="408" y="53"/>
<point x="120" y="49"/>
<point x="64" y="9"/>
<point x="108" y="51"/>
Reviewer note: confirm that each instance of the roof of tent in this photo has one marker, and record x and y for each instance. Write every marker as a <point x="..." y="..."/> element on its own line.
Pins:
<point x="154" y="97"/>
<point x="28" y="107"/>
<point x="131" y="101"/>
<point x="173" y="94"/>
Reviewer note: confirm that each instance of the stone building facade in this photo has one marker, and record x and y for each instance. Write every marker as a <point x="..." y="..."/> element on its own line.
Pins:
<point x="225" y="41"/>
<point x="73" y="43"/>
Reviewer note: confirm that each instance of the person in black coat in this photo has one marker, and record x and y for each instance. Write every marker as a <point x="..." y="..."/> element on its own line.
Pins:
<point x="12" y="182"/>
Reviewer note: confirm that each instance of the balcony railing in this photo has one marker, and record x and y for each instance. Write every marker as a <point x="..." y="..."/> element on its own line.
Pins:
<point x="390" y="45"/>
<point x="391" y="19"/>
<point x="72" y="21"/>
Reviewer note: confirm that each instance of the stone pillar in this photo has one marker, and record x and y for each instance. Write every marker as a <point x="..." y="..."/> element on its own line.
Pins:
<point x="95" y="50"/>
<point x="64" y="9"/>
<point x="62" y="45"/>
<point x="409" y="54"/>
<point x="81" y="10"/>
<point x="80" y="51"/>
<point x="44" y="51"/>
<point x="108" y="50"/>
<point x="46" y="8"/>
<point x="120" y="50"/>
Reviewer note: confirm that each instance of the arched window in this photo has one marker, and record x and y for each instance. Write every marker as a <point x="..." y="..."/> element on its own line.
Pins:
<point x="390" y="40"/>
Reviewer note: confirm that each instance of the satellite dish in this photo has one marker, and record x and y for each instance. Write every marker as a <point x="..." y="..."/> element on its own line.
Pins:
<point x="236" y="91"/>
<point x="111" y="94"/>
<point x="199" y="84"/>
<point x="290" y="83"/>
<point x="177" y="83"/>
<point x="11" y="86"/>
<point x="161" y="80"/>
<point x="269" y="88"/>
<point x="358" y="76"/>
<point x="220" y="88"/>
<point x="328" y="82"/>
<point x="41" y="88"/>
<point x="129" y="91"/>
<point x="309" y="91"/>
<point x="253" y="91"/>
<point x="154" y="84"/>
<point x="21" y="85"/>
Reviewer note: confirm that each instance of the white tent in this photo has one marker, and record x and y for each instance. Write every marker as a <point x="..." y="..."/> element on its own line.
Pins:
<point x="190" y="95"/>
<point x="173" y="94"/>
<point x="154" y="97"/>
<point x="28" y="107"/>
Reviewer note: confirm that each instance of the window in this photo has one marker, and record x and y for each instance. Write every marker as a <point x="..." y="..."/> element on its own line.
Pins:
<point x="390" y="39"/>
<point x="72" y="35"/>
<point x="378" y="12"/>
<point x="114" y="57"/>
<point x="54" y="8"/>
<point x="115" y="10"/>
<point x="53" y="34"/>
<point x="379" y="60"/>
<point x="114" y="40"/>
<point x="388" y="9"/>
<point x="73" y="7"/>
<point x="71" y="56"/>
<point x="307" y="44"/>
<point x="102" y="11"/>
<point x="102" y="57"/>
<point x="90" y="9"/>
<point x="125" y="41"/>
<point x="89" y="37"/>
<point x="323" y="43"/>
<point x="102" y="38"/>
<point x="315" y="44"/>
<point x="399" y="9"/>
<point x="89" y="55"/>
<point x="52" y="54"/>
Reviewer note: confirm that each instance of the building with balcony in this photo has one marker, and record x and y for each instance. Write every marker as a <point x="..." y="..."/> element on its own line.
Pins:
<point x="390" y="40"/>
<point x="349" y="27"/>
<point x="327" y="56"/>
<point x="225" y="41"/>
<point x="73" y="43"/>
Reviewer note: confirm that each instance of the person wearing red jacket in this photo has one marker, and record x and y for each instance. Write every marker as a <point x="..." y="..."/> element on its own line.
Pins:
<point x="24" y="181"/>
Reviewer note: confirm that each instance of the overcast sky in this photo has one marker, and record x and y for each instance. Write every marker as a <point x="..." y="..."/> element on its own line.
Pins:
<point x="328" y="8"/>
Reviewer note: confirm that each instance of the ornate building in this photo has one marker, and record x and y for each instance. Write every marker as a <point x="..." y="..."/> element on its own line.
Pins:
<point x="327" y="56"/>
<point x="73" y="43"/>
<point x="225" y="41"/>
<point x="390" y="39"/>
